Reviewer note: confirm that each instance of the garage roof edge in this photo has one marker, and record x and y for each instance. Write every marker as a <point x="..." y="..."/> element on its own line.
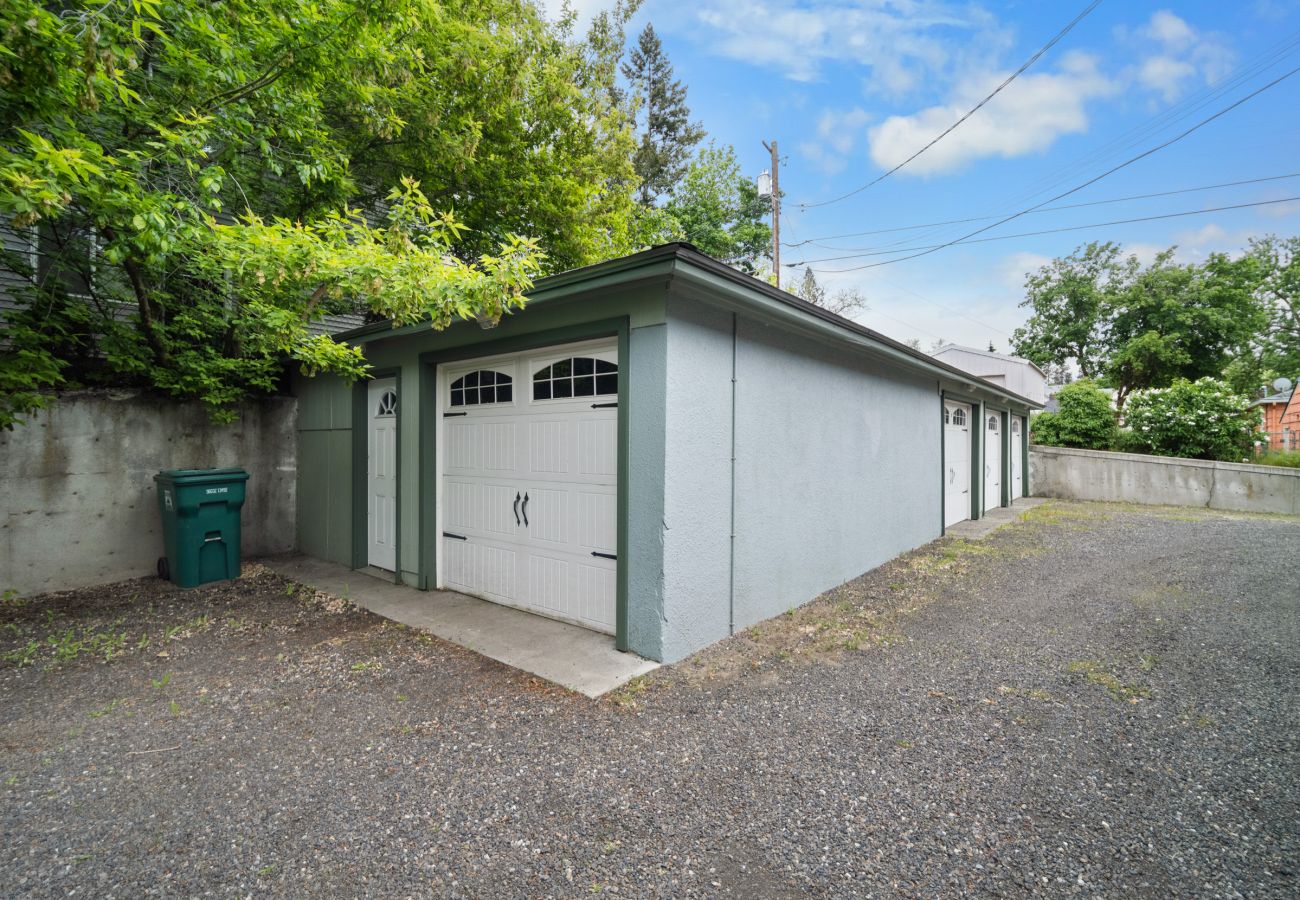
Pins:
<point x="675" y="254"/>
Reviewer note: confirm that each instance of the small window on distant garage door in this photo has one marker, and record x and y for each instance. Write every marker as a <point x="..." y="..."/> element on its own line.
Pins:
<point x="993" y="423"/>
<point x="482" y="387"/>
<point x="959" y="417"/>
<point x="578" y="376"/>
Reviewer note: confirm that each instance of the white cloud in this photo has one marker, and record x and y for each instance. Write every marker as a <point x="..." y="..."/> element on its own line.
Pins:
<point x="837" y="134"/>
<point x="1017" y="266"/>
<point x="902" y="43"/>
<point x="1182" y="56"/>
<point x="1027" y="117"/>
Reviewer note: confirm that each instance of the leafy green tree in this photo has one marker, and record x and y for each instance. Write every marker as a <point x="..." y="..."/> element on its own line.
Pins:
<point x="1071" y="298"/>
<point x="1134" y="327"/>
<point x="668" y="136"/>
<point x="1179" y="322"/>
<point x="1085" y="419"/>
<point x="1279" y="293"/>
<point x="229" y="172"/>
<point x="1202" y="419"/>
<point x="719" y="211"/>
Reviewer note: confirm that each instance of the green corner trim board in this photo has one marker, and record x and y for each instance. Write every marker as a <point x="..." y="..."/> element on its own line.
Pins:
<point x="649" y="511"/>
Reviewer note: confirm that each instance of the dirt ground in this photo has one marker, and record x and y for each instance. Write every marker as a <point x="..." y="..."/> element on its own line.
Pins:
<point x="1096" y="700"/>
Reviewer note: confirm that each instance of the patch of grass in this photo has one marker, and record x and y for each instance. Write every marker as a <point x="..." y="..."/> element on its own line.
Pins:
<point x="628" y="695"/>
<point x="9" y="599"/>
<point x="1148" y="661"/>
<point x="369" y="666"/>
<point x="266" y="871"/>
<point x="1057" y="513"/>
<point x="24" y="655"/>
<point x="174" y="708"/>
<point x="160" y="683"/>
<point x="1094" y="672"/>
<point x="106" y="710"/>
<point x="1038" y="694"/>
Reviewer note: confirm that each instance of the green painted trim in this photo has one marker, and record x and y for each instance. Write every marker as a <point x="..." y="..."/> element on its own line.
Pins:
<point x="1024" y="456"/>
<point x="622" y="598"/>
<point x="977" y="461"/>
<point x="429" y="465"/>
<point x="360" y="468"/>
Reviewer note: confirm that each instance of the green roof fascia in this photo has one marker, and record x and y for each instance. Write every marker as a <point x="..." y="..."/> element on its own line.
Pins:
<point x="628" y="271"/>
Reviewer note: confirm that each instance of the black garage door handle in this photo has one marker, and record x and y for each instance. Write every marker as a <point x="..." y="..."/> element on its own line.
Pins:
<point x="516" y="508"/>
<point x="525" y="509"/>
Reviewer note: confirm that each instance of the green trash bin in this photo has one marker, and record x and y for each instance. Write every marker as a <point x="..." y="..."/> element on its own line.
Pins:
<point x="200" y="514"/>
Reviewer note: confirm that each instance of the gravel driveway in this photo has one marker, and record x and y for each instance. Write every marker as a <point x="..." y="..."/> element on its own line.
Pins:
<point x="1097" y="700"/>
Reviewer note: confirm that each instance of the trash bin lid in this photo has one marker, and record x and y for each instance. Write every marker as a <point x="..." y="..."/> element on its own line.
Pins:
<point x="182" y="475"/>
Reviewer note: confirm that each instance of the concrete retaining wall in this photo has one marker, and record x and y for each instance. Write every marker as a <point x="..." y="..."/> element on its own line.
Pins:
<point x="79" y="506"/>
<point x="1096" y="475"/>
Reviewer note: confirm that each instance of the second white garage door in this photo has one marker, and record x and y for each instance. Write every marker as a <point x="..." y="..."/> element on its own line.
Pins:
<point x="956" y="463"/>
<point x="528" y="499"/>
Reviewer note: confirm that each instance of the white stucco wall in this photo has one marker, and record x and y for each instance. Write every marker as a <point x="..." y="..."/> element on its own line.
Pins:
<point x="837" y="471"/>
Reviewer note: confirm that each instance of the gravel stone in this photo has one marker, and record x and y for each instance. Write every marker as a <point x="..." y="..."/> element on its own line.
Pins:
<point x="1099" y="700"/>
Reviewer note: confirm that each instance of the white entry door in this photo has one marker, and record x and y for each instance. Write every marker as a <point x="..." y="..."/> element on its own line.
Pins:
<point x="992" y="460"/>
<point x="956" y="463"/>
<point x="1017" y="476"/>
<point x="528" y="498"/>
<point x="381" y="474"/>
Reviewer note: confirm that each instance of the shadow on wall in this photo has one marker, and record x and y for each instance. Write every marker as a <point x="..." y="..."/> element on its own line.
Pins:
<point x="80" y="506"/>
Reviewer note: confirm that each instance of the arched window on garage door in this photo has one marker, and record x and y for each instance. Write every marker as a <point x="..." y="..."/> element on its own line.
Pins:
<point x="578" y="376"/>
<point x="482" y="387"/>
<point x="993" y="423"/>
<point x="959" y="417"/>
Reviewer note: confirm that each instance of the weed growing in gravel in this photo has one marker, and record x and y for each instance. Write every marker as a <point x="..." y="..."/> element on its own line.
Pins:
<point x="9" y="599"/>
<point x="1057" y="513"/>
<point x="106" y="710"/>
<point x="366" y="666"/>
<point x="1095" y="673"/>
<point x="160" y="683"/>
<point x="626" y="696"/>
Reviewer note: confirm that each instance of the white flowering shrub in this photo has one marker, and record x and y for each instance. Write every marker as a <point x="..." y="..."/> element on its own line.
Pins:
<point x="1203" y="419"/>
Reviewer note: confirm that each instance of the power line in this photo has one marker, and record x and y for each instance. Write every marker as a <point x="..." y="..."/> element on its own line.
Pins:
<point x="1091" y="181"/>
<point x="1007" y="237"/>
<point x="1181" y="111"/>
<point x="1046" y="209"/>
<point x="976" y="108"/>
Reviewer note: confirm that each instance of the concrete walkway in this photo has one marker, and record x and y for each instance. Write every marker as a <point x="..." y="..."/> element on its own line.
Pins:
<point x="978" y="529"/>
<point x="572" y="657"/>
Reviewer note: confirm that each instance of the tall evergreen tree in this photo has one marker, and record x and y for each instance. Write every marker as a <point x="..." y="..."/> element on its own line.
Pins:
<point x="669" y="135"/>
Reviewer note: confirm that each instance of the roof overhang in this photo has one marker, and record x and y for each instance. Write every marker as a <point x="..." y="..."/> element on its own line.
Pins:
<point x="701" y="275"/>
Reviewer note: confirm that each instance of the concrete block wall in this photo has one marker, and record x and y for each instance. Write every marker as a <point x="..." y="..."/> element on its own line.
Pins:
<point x="1071" y="474"/>
<point x="79" y="503"/>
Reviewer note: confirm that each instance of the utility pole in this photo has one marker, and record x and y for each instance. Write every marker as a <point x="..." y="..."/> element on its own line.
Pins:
<point x="776" y="212"/>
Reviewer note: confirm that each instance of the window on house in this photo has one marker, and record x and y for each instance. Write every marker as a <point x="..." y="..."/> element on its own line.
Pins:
<point x="959" y="417"/>
<point x="578" y="376"/>
<point x="64" y="256"/>
<point x="482" y="387"/>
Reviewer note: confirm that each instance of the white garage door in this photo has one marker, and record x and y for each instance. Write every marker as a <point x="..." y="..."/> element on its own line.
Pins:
<point x="992" y="461"/>
<point x="956" y="463"/>
<point x="528" y="498"/>
<point x="1017" y="477"/>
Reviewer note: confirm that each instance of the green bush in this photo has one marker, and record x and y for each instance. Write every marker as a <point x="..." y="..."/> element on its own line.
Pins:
<point x="1203" y="419"/>
<point x="1288" y="458"/>
<point x="1085" y="420"/>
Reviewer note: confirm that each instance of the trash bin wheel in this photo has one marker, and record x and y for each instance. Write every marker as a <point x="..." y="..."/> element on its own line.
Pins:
<point x="164" y="570"/>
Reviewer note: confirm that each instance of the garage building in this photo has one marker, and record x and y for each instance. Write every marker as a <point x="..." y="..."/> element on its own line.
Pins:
<point x="658" y="447"/>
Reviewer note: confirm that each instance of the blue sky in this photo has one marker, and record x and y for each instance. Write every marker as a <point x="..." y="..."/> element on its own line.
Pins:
<point x="849" y="89"/>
